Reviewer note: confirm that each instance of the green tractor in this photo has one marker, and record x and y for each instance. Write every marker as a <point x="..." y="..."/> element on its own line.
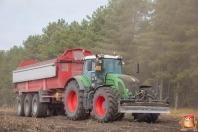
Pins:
<point x="105" y="90"/>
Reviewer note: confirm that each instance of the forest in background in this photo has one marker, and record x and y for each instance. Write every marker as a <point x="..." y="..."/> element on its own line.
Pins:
<point x="161" y="35"/>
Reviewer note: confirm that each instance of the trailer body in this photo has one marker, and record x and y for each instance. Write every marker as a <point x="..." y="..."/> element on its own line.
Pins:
<point x="49" y="76"/>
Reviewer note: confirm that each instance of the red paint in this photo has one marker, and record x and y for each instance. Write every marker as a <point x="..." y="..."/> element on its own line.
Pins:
<point x="29" y="62"/>
<point x="69" y="64"/>
<point x="72" y="101"/>
<point x="100" y="105"/>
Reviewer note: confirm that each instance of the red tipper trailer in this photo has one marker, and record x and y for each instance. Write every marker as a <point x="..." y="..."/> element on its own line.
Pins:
<point x="48" y="78"/>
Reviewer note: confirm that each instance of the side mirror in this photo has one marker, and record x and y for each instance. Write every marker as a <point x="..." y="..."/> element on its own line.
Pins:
<point x="137" y="65"/>
<point x="137" y="68"/>
<point x="121" y="63"/>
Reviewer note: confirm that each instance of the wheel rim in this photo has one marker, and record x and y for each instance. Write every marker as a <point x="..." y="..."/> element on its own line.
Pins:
<point x="100" y="105"/>
<point x="35" y="106"/>
<point x="72" y="101"/>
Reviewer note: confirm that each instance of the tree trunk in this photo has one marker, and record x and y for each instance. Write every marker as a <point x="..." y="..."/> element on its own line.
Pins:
<point x="161" y="89"/>
<point x="156" y="86"/>
<point x="176" y="100"/>
<point x="177" y="97"/>
<point x="169" y="84"/>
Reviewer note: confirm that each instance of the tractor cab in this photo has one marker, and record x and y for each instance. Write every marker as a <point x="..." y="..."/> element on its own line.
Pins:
<point x="98" y="66"/>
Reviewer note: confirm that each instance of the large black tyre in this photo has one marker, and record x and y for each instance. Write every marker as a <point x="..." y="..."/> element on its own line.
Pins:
<point x="105" y="105"/>
<point x="20" y="105"/>
<point x="147" y="117"/>
<point x="38" y="109"/>
<point x="73" y="102"/>
<point x="119" y="117"/>
<point x="28" y="105"/>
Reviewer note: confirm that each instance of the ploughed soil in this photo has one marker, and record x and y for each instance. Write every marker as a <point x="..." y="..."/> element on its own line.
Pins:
<point x="10" y="121"/>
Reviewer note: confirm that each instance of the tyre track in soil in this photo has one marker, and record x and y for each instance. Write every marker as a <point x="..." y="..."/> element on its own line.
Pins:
<point x="9" y="121"/>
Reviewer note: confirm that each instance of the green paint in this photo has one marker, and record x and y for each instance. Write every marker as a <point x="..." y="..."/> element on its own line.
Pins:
<point x="113" y="80"/>
<point x="86" y="82"/>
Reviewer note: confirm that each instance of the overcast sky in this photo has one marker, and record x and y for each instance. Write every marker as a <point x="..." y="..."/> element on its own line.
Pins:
<point x="21" y="18"/>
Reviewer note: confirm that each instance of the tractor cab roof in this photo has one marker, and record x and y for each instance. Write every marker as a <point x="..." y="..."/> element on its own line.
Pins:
<point x="103" y="56"/>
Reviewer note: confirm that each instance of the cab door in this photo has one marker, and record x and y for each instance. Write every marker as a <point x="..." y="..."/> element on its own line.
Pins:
<point x="89" y="69"/>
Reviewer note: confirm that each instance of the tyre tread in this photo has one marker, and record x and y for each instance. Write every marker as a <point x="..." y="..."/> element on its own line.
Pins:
<point x="112" y="106"/>
<point x="80" y="113"/>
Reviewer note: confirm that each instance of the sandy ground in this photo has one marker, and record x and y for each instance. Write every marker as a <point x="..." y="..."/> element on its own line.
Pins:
<point x="10" y="121"/>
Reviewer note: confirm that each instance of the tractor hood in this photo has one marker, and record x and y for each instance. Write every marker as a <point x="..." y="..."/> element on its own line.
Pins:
<point x="131" y="84"/>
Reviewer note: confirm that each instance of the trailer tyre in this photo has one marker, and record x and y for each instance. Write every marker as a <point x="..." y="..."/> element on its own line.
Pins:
<point x="38" y="109"/>
<point x="73" y="102"/>
<point x="28" y="105"/>
<point x="147" y="117"/>
<point x="20" y="105"/>
<point x="105" y="105"/>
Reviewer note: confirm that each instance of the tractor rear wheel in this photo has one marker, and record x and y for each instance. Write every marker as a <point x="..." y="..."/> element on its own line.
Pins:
<point x="105" y="105"/>
<point x="28" y="105"/>
<point x="20" y="105"/>
<point x="73" y="102"/>
<point x="38" y="109"/>
<point x="147" y="117"/>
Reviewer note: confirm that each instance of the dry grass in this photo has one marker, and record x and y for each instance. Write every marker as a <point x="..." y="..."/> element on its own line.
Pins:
<point x="181" y="112"/>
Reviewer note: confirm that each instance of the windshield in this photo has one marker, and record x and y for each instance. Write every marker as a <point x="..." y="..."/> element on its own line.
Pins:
<point x="112" y="66"/>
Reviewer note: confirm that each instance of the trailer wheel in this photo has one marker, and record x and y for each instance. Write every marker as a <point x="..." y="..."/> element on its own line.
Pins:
<point x="38" y="109"/>
<point x="105" y="105"/>
<point x="20" y="105"/>
<point x="73" y="102"/>
<point x="147" y="117"/>
<point x="28" y="105"/>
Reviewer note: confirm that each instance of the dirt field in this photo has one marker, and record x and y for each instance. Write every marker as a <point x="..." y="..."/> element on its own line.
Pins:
<point x="9" y="121"/>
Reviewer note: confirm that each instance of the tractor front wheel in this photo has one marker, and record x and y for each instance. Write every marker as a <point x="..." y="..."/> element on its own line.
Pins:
<point x="147" y="117"/>
<point x="105" y="105"/>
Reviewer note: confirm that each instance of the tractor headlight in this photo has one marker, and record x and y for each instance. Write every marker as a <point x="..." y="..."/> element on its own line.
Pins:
<point x="128" y="91"/>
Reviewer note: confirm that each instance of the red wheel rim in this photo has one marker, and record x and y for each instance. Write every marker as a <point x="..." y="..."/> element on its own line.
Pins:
<point x="72" y="101"/>
<point x="100" y="105"/>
